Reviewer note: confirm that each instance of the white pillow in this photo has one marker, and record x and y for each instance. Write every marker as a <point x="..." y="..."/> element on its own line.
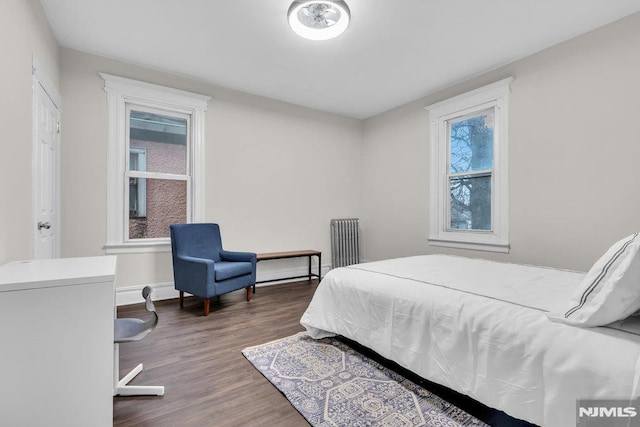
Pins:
<point x="610" y="291"/>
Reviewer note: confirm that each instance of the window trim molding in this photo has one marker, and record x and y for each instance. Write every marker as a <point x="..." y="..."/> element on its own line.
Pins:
<point x="495" y="95"/>
<point x="121" y="91"/>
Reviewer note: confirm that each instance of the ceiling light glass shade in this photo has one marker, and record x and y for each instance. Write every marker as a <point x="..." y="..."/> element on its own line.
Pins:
<point x="319" y="19"/>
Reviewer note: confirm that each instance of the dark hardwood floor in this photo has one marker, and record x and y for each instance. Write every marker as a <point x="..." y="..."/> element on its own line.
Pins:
<point x="198" y="359"/>
<point x="207" y="380"/>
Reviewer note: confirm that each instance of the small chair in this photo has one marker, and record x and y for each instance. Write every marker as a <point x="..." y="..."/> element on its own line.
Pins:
<point x="202" y="268"/>
<point x="128" y="330"/>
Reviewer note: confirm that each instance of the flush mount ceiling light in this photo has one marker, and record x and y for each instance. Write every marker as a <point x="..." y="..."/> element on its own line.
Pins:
<point x="319" y="19"/>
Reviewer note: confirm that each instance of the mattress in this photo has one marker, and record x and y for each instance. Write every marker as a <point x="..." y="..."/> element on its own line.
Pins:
<point x="480" y="328"/>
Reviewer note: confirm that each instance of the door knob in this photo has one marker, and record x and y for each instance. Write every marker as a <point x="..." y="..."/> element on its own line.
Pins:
<point x="44" y="225"/>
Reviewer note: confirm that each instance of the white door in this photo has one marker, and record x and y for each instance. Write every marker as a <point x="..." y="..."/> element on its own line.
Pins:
<point x="45" y="174"/>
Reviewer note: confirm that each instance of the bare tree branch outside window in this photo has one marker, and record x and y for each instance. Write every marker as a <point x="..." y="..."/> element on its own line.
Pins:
<point x="470" y="171"/>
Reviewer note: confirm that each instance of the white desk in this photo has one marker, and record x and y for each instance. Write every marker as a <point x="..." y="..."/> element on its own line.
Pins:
<point x="56" y="342"/>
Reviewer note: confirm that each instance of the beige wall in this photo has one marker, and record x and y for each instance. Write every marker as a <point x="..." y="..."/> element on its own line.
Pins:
<point x="24" y="34"/>
<point x="275" y="173"/>
<point x="573" y="156"/>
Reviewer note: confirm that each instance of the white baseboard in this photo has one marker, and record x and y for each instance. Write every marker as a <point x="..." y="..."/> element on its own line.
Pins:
<point x="161" y="291"/>
<point x="133" y="294"/>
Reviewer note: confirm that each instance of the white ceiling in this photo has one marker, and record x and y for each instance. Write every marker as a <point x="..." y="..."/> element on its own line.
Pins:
<point x="393" y="52"/>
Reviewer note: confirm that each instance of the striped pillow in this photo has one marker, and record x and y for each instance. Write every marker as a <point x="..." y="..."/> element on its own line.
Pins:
<point x="611" y="289"/>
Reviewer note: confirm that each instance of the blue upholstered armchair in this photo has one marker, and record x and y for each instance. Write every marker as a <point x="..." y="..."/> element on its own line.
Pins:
<point x="202" y="268"/>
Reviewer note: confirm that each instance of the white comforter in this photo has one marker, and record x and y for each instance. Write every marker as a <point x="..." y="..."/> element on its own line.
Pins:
<point x="480" y="328"/>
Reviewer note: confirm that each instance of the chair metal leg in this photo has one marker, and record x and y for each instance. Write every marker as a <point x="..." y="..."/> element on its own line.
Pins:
<point x="120" y="387"/>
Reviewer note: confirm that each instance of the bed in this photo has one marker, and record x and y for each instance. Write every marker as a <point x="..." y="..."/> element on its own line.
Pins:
<point x="485" y="329"/>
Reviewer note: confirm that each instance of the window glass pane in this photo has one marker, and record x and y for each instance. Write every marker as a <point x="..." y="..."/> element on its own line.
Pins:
<point x="137" y="186"/>
<point x="165" y="203"/>
<point x="137" y="197"/>
<point x="471" y="143"/>
<point x="163" y="137"/>
<point x="470" y="202"/>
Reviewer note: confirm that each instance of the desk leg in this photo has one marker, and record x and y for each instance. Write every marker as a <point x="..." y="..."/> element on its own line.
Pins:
<point x="319" y="268"/>
<point x="309" y="267"/>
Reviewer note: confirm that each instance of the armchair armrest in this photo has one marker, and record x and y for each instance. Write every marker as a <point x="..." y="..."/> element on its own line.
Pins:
<point x="195" y="275"/>
<point x="194" y="260"/>
<point x="238" y="256"/>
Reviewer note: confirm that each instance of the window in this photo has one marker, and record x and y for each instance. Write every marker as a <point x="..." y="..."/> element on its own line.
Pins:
<point x="469" y="188"/>
<point x="157" y="171"/>
<point x="155" y="163"/>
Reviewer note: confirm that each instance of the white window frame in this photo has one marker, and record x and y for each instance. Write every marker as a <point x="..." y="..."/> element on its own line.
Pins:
<point x="120" y="93"/>
<point x="494" y="96"/>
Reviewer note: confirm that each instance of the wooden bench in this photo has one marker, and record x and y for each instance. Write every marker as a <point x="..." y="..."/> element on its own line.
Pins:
<point x="292" y="254"/>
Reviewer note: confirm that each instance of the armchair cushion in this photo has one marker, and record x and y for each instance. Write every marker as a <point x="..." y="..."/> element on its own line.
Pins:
<point x="227" y="270"/>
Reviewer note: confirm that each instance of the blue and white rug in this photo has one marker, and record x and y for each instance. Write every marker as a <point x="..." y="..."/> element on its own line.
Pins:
<point x="331" y="384"/>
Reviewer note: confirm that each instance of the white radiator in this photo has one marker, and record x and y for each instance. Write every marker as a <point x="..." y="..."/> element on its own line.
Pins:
<point x="345" y="242"/>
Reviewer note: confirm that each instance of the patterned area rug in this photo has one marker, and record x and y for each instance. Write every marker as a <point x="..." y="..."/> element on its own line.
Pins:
<point x="331" y="384"/>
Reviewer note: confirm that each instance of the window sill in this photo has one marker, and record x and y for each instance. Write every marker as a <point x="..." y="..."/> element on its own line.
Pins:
<point x="476" y="246"/>
<point x="138" y="248"/>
